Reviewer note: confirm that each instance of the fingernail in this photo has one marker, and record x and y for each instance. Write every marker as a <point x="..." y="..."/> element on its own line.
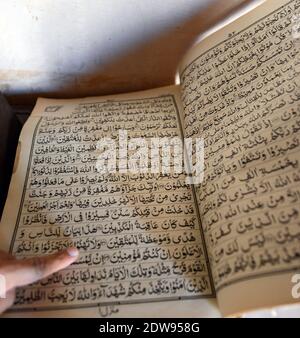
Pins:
<point x="73" y="252"/>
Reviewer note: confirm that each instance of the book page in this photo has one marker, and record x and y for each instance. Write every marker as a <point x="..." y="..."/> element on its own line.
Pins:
<point x="137" y="231"/>
<point x="241" y="92"/>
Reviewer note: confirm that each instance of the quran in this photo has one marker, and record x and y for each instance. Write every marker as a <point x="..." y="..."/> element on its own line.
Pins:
<point x="153" y="243"/>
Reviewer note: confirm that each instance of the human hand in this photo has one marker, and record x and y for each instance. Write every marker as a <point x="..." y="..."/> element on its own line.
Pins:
<point x="27" y="271"/>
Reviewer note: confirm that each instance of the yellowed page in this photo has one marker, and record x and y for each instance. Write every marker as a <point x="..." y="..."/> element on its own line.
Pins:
<point x="141" y="246"/>
<point x="240" y="92"/>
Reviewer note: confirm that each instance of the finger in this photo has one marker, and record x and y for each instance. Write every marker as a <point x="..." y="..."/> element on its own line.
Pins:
<point x="8" y="301"/>
<point x="31" y="270"/>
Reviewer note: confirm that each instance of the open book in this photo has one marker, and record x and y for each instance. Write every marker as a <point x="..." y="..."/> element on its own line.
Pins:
<point x="151" y="243"/>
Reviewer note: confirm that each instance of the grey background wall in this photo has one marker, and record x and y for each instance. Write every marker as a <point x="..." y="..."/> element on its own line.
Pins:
<point x="65" y="48"/>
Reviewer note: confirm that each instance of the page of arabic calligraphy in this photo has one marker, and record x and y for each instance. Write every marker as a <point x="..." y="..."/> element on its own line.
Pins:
<point x="138" y="234"/>
<point x="240" y="92"/>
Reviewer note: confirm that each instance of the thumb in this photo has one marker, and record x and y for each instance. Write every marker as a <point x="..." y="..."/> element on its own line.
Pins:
<point x="27" y="271"/>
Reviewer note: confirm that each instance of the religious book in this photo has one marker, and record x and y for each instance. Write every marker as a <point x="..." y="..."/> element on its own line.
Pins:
<point x="213" y="231"/>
